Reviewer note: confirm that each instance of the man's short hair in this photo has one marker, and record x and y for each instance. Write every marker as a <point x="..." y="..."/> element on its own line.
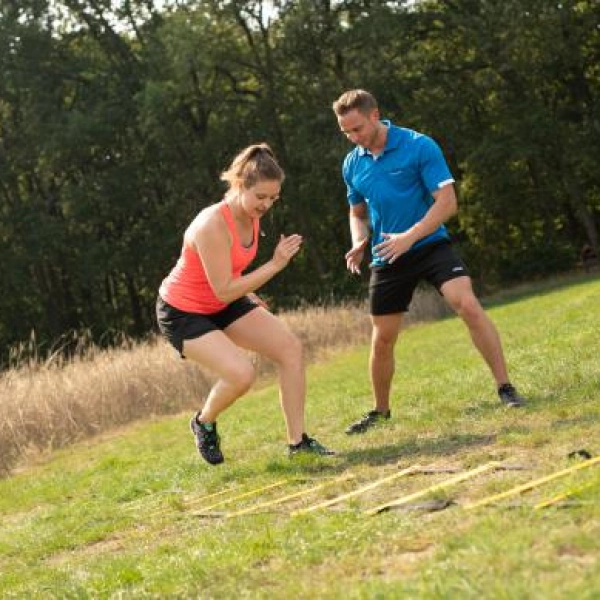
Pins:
<point x="359" y="100"/>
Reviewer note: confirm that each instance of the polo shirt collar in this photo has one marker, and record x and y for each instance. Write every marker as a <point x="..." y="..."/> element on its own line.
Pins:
<point x="392" y="141"/>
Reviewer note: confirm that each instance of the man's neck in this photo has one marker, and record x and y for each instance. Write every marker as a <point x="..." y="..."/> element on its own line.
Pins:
<point x="378" y="145"/>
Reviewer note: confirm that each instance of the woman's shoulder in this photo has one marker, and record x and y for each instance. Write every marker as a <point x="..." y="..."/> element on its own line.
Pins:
<point x="209" y="221"/>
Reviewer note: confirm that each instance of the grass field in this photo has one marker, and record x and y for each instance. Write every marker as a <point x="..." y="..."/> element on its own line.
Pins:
<point x="134" y="512"/>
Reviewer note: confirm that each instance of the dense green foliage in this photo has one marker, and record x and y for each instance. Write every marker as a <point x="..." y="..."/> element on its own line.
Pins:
<point x="115" y="124"/>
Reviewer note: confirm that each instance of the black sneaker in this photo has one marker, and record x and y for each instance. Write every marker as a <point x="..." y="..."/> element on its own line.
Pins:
<point x="370" y="419"/>
<point x="308" y="445"/>
<point x="509" y="396"/>
<point x="207" y="440"/>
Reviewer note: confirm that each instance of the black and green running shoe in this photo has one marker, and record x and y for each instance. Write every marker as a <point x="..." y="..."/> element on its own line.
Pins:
<point x="308" y="445"/>
<point x="207" y="441"/>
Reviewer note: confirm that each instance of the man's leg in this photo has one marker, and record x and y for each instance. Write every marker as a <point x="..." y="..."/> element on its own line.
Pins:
<point x="459" y="295"/>
<point x="382" y="363"/>
<point x="458" y="292"/>
<point x="381" y="366"/>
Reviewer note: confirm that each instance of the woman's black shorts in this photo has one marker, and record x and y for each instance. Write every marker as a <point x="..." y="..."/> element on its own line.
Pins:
<point x="391" y="287"/>
<point x="177" y="325"/>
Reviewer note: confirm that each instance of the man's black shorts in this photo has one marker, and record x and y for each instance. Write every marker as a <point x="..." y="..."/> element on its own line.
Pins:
<point x="177" y="325"/>
<point x="391" y="287"/>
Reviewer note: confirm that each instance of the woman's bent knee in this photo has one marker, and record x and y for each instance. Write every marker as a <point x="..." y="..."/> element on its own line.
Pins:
<point x="242" y="376"/>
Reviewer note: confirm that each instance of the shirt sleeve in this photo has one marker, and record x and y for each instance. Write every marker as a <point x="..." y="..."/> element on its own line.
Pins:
<point x="434" y="169"/>
<point x="352" y="194"/>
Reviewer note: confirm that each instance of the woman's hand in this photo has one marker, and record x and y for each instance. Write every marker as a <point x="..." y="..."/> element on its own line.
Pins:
<point x="286" y="249"/>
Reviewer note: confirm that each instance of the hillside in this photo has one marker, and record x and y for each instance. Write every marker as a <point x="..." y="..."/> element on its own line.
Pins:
<point x="134" y="512"/>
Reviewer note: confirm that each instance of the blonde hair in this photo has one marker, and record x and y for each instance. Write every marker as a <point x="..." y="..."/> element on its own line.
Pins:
<point x="359" y="100"/>
<point x="253" y="164"/>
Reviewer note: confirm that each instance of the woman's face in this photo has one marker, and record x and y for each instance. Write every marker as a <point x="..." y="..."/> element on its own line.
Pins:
<point x="258" y="199"/>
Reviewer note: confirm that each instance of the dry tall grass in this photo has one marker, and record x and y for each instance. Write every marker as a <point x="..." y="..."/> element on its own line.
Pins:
<point x="47" y="405"/>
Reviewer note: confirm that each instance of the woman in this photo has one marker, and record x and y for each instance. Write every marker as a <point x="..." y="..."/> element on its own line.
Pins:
<point x="207" y="310"/>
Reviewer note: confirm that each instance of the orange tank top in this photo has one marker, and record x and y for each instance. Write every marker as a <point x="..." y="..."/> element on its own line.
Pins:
<point x="187" y="287"/>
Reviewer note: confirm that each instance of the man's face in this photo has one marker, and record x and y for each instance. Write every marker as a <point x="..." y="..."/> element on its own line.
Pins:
<point x="361" y="129"/>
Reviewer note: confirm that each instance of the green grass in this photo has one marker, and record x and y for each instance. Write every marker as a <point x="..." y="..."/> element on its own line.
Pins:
<point x="117" y="516"/>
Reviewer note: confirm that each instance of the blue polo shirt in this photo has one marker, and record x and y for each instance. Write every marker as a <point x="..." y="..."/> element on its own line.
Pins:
<point x="397" y="184"/>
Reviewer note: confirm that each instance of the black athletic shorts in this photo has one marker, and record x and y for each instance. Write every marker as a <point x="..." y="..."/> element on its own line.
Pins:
<point x="177" y="325"/>
<point x="391" y="287"/>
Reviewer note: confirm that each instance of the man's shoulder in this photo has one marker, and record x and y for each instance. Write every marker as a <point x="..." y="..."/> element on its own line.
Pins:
<point x="353" y="154"/>
<point x="411" y="136"/>
<point x="351" y="158"/>
<point x="415" y="143"/>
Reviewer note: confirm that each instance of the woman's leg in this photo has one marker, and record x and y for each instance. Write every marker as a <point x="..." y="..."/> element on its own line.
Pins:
<point x="264" y="333"/>
<point x="233" y="367"/>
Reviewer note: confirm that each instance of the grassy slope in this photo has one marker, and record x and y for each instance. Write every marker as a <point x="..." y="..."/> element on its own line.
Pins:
<point x="114" y="515"/>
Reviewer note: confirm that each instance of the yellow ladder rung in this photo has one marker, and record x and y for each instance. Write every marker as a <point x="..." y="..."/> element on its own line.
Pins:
<point x="536" y="482"/>
<point x="366" y="488"/>
<point x="443" y="484"/>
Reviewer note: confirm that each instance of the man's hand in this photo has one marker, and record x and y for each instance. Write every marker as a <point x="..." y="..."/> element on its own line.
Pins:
<point x="355" y="256"/>
<point x="393" y="246"/>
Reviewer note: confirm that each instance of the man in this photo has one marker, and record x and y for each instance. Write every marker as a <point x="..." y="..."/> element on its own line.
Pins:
<point x="400" y="193"/>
